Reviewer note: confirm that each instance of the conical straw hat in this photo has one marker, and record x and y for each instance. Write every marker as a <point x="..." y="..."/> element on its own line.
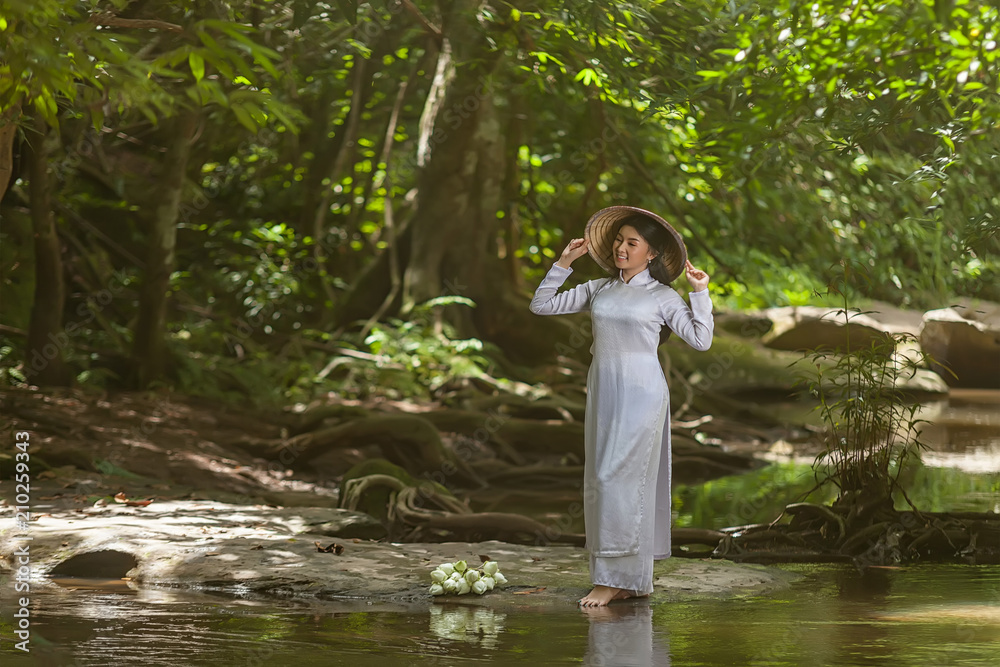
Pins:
<point x="601" y="231"/>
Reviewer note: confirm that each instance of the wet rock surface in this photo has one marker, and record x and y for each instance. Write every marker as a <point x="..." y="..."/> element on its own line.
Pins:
<point x="251" y="550"/>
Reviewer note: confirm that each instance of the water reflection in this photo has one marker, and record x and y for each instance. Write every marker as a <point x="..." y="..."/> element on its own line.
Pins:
<point x="872" y="586"/>
<point x="477" y="625"/>
<point x="622" y="635"/>
<point x="963" y="431"/>
<point x="833" y="616"/>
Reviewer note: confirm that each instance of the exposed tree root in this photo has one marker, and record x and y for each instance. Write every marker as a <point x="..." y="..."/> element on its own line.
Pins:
<point x="706" y="536"/>
<point x="408" y="440"/>
<point x="529" y="475"/>
<point x="533" y="435"/>
<point x="867" y="533"/>
<point x="408" y="514"/>
<point x="554" y="407"/>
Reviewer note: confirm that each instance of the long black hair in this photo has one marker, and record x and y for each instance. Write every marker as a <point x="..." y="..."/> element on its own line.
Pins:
<point x="656" y="236"/>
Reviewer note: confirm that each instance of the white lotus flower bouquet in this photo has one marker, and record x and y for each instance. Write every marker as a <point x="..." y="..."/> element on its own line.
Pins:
<point x="459" y="579"/>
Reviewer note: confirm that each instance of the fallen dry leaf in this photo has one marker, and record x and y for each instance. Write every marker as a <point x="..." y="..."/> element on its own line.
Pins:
<point x="333" y="548"/>
<point x="534" y="590"/>
<point x="121" y="498"/>
<point x="484" y="558"/>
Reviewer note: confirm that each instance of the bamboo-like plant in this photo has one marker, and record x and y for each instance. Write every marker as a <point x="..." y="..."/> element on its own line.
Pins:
<point x="872" y="428"/>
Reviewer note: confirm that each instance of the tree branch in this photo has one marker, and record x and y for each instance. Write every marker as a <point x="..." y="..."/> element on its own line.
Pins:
<point x="427" y="25"/>
<point x="109" y="20"/>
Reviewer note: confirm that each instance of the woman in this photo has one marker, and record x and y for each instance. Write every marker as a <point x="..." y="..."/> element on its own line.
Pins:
<point x="627" y="426"/>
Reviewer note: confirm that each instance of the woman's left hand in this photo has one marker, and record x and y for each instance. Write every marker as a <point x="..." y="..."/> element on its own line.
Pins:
<point x="697" y="277"/>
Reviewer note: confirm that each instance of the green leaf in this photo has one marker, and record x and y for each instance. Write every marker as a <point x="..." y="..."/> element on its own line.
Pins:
<point x="586" y="75"/>
<point x="197" y="65"/>
<point x="244" y="117"/>
<point x="282" y="112"/>
<point x="97" y="118"/>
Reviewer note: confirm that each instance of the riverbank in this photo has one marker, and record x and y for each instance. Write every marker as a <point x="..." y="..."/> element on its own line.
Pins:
<point x="255" y="550"/>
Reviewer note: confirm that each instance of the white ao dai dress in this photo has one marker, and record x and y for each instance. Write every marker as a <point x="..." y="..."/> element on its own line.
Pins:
<point x="626" y="494"/>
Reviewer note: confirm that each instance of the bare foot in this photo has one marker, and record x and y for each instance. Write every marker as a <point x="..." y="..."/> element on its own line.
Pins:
<point x="600" y="596"/>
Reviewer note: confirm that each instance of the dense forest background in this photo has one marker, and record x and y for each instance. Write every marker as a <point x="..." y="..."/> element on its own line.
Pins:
<point x="273" y="199"/>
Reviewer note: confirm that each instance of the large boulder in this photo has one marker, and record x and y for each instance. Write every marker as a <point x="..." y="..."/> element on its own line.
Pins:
<point x="742" y="366"/>
<point x="823" y="328"/>
<point x="894" y="319"/>
<point x="963" y="342"/>
<point x="743" y="323"/>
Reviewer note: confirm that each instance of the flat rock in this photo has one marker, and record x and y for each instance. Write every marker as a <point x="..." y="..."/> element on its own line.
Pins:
<point x="893" y="318"/>
<point x="964" y="343"/>
<point x="816" y="328"/>
<point x="256" y="550"/>
<point x="735" y="365"/>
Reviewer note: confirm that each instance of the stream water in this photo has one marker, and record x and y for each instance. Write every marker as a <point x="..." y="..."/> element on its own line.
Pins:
<point x="834" y="615"/>
<point x="925" y="615"/>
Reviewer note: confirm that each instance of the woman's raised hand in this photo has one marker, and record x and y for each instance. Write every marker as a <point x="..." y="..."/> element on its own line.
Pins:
<point x="576" y="249"/>
<point x="697" y="277"/>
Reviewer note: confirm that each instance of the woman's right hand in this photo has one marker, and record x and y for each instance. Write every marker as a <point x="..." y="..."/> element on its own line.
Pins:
<point x="577" y="248"/>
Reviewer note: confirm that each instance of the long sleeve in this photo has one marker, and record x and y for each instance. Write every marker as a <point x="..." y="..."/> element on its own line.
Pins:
<point x="547" y="302"/>
<point x="695" y="324"/>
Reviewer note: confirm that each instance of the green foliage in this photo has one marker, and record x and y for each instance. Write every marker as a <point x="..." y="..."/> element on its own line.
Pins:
<point x="872" y="429"/>
<point x="258" y="377"/>
<point x="417" y="356"/>
<point x="761" y="495"/>
<point x="51" y="54"/>
<point x="754" y="497"/>
<point x="879" y="145"/>
<point x="11" y="369"/>
<point x="784" y="136"/>
<point x="779" y="138"/>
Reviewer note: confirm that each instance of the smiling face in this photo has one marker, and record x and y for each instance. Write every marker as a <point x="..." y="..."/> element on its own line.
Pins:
<point x="631" y="252"/>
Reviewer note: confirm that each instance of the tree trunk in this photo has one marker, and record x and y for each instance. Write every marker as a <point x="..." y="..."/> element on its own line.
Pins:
<point x="148" y="351"/>
<point x="455" y="227"/>
<point x="8" y="131"/>
<point x="46" y="338"/>
<point x="453" y="237"/>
